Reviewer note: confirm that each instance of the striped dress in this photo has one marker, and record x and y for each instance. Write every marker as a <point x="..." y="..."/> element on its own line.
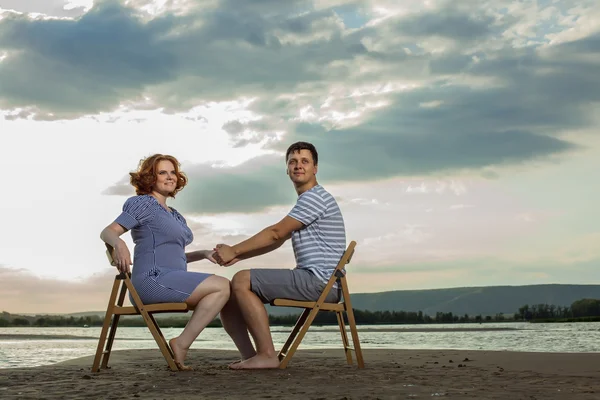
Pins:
<point x="159" y="271"/>
<point x="320" y="244"/>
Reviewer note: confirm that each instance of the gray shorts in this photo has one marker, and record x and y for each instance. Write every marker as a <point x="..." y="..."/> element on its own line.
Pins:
<point x="293" y="284"/>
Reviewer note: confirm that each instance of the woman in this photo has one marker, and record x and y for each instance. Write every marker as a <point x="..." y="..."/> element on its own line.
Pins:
<point x="160" y="235"/>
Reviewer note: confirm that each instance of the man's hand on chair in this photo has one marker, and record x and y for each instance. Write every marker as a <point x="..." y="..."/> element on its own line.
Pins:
<point x="225" y="255"/>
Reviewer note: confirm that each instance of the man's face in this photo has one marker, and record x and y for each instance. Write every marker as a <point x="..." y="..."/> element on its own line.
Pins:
<point x="301" y="167"/>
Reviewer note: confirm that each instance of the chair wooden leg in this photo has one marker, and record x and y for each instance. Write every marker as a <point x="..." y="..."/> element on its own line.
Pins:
<point x="158" y="338"/>
<point x="113" y="328"/>
<point x="294" y="333"/>
<point x="105" y="326"/>
<point x="340" y="318"/>
<point x="109" y="342"/>
<point x="160" y="341"/>
<point x="355" y="340"/>
<point x="309" y="319"/>
<point x="352" y="323"/>
<point x="157" y="327"/>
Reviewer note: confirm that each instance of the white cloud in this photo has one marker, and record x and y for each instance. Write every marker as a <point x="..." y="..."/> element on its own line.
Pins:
<point x="417" y="189"/>
<point x="431" y="104"/>
<point x="460" y="206"/>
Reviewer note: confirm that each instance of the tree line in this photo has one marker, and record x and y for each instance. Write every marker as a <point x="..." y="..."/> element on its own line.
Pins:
<point x="580" y="310"/>
<point x="323" y="318"/>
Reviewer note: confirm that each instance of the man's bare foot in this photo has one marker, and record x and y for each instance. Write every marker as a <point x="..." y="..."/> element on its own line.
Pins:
<point x="180" y="354"/>
<point x="243" y="359"/>
<point x="259" y="361"/>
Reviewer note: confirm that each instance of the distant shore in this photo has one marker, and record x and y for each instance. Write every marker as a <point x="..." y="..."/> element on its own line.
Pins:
<point x="313" y="374"/>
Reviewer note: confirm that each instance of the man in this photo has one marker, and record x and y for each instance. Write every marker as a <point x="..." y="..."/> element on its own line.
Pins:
<point x="316" y="227"/>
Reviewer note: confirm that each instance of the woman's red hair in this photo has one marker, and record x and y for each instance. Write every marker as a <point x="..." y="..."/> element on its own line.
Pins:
<point x="145" y="176"/>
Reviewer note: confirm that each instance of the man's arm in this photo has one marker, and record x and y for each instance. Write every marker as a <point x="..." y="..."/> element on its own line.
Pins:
<point x="268" y="239"/>
<point x="264" y="250"/>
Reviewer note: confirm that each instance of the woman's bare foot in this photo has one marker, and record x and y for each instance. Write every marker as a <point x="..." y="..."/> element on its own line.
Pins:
<point x="257" y="362"/>
<point x="179" y="354"/>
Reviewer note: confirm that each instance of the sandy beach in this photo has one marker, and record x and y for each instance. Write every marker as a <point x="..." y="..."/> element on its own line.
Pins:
<point x="318" y="374"/>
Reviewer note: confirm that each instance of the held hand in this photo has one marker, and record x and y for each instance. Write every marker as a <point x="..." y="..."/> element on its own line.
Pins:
<point x="209" y="255"/>
<point x="224" y="254"/>
<point x="230" y="263"/>
<point x="122" y="258"/>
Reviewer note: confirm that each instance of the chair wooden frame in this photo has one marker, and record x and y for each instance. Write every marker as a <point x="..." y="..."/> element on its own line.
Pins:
<point x="312" y="308"/>
<point x="115" y="311"/>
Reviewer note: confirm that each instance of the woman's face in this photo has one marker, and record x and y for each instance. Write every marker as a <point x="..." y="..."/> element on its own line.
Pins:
<point x="166" y="179"/>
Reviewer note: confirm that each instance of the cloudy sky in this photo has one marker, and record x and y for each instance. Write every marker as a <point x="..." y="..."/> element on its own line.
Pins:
<point x="460" y="138"/>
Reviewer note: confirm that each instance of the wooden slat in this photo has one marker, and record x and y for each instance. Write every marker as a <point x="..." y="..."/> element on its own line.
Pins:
<point x="153" y="308"/>
<point x="307" y="304"/>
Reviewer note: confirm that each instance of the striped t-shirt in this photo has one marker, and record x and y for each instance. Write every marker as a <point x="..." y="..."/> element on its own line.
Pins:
<point x="320" y="244"/>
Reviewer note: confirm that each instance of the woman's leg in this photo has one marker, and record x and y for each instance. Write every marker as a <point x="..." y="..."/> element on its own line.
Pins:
<point x="207" y="299"/>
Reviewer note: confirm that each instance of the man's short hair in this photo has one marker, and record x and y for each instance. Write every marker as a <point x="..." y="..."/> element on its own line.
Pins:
<point x="303" y="146"/>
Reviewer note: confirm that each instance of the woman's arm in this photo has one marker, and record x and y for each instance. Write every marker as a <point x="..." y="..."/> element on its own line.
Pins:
<point x="111" y="236"/>
<point x="198" y="255"/>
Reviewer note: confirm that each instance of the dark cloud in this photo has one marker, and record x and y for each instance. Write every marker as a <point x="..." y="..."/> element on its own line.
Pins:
<point x="439" y="128"/>
<point x="447" y="23"/>
<point x="120" y="189"/>
<point x="480" y="103"/>
<point x="377" y="150"/>
<point x="233" y="127"/>
<point x="82" y="66"/>
<point x="112" y="54"/>
<point x="252" y="132"/>
<point x="533" y="97"/>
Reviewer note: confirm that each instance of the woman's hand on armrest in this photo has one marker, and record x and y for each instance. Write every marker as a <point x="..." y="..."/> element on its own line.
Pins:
<point x="121" y="255"/>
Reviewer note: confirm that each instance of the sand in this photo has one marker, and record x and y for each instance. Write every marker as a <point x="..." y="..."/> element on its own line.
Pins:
<point x="318" y="374"/>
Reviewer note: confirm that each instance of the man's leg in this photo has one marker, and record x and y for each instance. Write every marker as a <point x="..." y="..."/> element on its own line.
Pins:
<point x="235" y="326"/>
<point x="257" y="321"/>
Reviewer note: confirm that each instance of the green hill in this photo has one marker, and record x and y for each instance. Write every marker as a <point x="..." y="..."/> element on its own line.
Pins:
<point x="486" y="300"/>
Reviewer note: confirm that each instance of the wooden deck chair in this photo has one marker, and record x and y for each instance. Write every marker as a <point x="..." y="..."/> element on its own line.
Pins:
<point x="311" y="309"/>
<point x="115" y="311"/>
